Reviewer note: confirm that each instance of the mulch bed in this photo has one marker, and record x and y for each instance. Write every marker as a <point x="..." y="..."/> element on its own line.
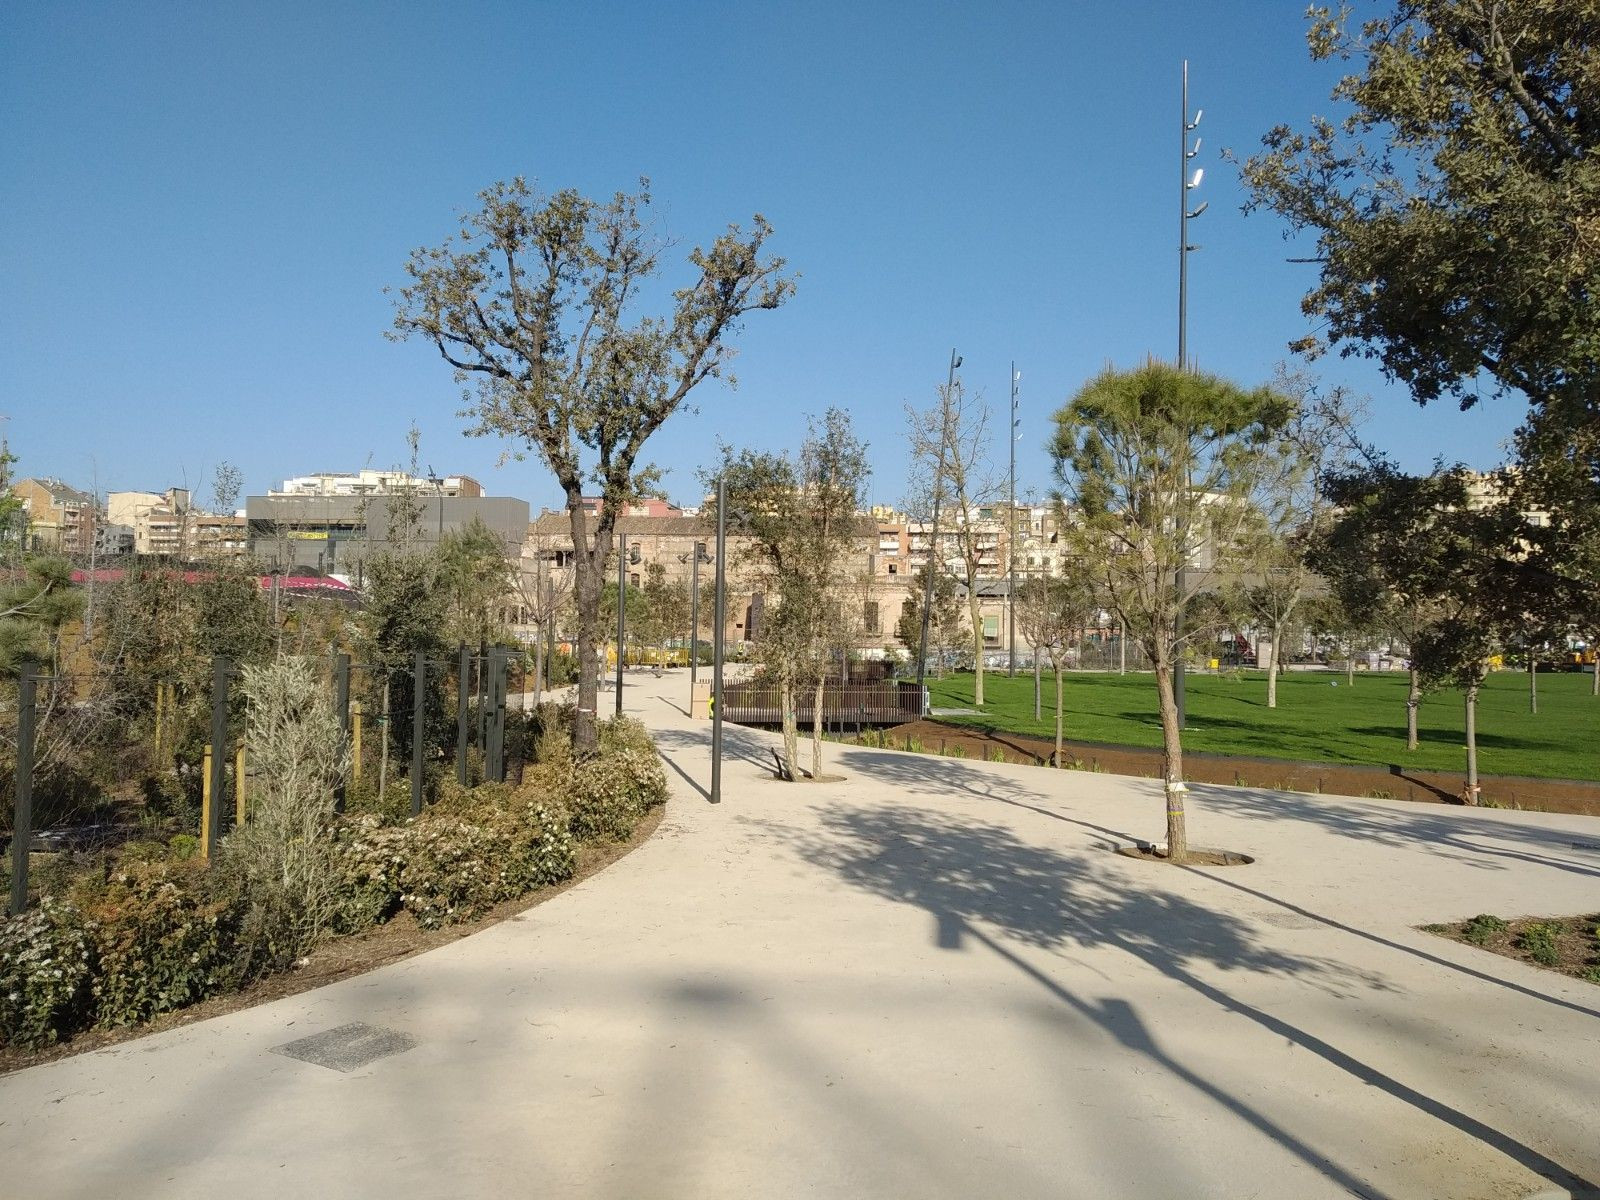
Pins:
<point x="338" y="959"/>
<point x="1389" y="782"/>
<point x="1571" y="945"/>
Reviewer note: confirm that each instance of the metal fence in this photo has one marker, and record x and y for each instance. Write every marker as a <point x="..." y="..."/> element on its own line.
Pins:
<point x="844" y="706"/>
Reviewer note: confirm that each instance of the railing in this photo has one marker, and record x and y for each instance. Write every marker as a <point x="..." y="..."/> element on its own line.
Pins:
<point x="844" y="707"/>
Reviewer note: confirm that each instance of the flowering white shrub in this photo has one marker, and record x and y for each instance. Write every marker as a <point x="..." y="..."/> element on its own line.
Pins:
<point x="46" y="961"/>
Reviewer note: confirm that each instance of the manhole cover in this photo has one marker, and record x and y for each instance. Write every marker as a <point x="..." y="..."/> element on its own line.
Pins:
<point x="347" y="1048"/>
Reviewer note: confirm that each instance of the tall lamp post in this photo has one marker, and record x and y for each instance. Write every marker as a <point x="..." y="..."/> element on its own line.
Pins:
<point x="1011" y="537"/>
<point x="1187" y="183"/>
<point x="933" y="537"/>
<point x="696" y="556"/>
<point x="719" y="618"/>
<point x="622" y="608"/>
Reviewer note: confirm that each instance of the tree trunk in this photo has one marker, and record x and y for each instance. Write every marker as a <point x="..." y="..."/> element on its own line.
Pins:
<point x="1413" y="701"/>
<point x="383" y="742"/>
<point x="1058" y="713"/>
<point x="1172" y="763"/>
<point x="1350" y="667"/>
<point x="791" y="729"/>
<point x="538" y="669"/>
<point x="1272" y="671"/>
<point x="1594" y="676"/>
<point x="1471" y="794"/>
<point x="1533" y="682"/>
<point x="977" y="642"/>
<point x="588" y="567"/>
<point x="816" y="729"/>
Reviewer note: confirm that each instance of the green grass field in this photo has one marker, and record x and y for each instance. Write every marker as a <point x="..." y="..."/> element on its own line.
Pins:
<point x="1315" y="721"/>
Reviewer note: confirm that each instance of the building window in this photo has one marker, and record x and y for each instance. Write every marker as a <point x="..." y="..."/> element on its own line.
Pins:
<point x="991" y="629"/>
<point x="869" y="615"/>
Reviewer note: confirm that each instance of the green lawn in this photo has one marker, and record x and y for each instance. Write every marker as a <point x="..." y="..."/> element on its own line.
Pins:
<point x="1315" y="721"/>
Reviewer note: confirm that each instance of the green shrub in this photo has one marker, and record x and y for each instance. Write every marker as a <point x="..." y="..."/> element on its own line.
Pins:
<point x="956" y="752"/>
<point x="994" y="754"/>
<point x="371" y="859"/>
<point x="46" y="962"/>
<point x="1481" y="928"/>
<point x="162" y="937"/>
<point x="452" y="870"/>
<point x="607" y="795"/>
<point x="183" y="846"/>
<point x="1539" y="941"/>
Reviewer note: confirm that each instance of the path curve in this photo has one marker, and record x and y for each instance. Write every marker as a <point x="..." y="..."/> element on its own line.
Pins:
<point x="927" y="980"/>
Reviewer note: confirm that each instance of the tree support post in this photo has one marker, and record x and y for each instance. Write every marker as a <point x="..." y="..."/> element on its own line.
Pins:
<point x="463" y="669"/>
<point x="208" y="808"/>
<point x="238" y="786"/>
<point x="419" y="713"/>
<point x="355" y="741"/>
<point x="216" y="774"/>
<point x="341" y="702"/>
<point x="22" y="817"/>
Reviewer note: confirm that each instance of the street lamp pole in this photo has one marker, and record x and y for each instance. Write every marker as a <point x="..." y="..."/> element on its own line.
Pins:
<point x="1011" y="537"/>
<point x="719" y="619"/>
<point x="933" y="539"/>
<point x="1187" y="184"/>
<point x="697" y="555"/>
<point x="622" y="608"/>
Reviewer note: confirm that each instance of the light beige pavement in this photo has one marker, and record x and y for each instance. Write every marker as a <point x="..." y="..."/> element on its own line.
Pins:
<point x="930" y="979"/>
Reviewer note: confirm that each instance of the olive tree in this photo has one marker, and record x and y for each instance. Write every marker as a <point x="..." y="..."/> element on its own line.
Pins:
<point x="535" y="303"/>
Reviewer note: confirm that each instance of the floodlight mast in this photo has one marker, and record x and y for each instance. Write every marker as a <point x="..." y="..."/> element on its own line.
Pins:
<point x="1187" y="184"/>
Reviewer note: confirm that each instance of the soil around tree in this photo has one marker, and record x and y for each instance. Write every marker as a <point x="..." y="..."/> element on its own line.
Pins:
<point x="340" y="958"/>
<point x="1199" y="856"/>
<point x="1391" y="782"/>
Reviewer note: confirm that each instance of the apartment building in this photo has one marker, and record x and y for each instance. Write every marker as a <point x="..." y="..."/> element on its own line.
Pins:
<point x="60" y="518"/>
<point x="158" y="519"/>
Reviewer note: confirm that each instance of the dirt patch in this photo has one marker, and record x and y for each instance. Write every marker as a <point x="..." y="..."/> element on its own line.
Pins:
<point x="1386" y="782"/>
<point x="1198" y="856"/>
<point x="1568" y="945"/>
<point x="339" y="959"/>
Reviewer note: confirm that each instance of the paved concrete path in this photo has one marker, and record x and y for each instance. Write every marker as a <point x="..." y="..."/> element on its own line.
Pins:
<point x="931" y="979"/>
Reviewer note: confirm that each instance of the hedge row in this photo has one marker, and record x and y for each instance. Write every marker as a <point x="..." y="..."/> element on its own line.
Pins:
<point x="154" y="933"/>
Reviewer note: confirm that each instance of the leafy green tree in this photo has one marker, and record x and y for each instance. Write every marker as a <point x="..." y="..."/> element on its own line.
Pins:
<point x="535" y="303"/>
<point x="1159" y="466"/>
<point x="475" y="575"/>
<point x="1454" y="204"/>
<point x="1425" y="551"/>
<point x="946" y="627"/>
<point x="1457" y="224"/>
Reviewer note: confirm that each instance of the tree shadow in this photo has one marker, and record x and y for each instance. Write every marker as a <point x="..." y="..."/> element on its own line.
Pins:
<point x="971" y="877"/>
<point x="1453" y="835"/>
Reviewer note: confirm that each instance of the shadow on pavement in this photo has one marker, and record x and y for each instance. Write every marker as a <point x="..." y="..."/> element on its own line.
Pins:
<point x="969" y="875"/>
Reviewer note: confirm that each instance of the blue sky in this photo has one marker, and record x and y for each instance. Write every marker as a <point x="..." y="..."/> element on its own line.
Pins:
<point x="203" y="204"/>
